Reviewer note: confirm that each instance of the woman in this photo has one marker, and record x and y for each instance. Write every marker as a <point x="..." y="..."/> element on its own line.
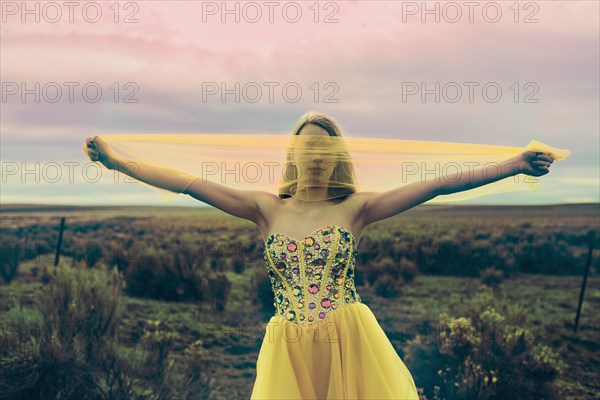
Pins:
<point x="323" y="341"/>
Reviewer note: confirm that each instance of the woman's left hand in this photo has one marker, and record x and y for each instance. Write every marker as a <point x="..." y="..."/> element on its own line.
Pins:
<point x="534" y="163"/>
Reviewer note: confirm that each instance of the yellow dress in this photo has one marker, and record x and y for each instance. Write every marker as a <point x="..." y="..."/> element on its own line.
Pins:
<point x="323" y="342"/>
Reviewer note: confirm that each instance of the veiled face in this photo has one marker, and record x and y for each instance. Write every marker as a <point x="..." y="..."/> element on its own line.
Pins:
<point x="314" y="153"/>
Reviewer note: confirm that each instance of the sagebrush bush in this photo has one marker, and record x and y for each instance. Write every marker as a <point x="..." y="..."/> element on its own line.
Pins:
<point x="489" y="352"/>
<point x="388" y="276"/>
<point x="67" y="347"/>
<point x="263" y="290"/>
<point x="84" y="303"/>
<point x="387" y="286"/>
<point x="492" y="277"/>
<point x="162" y="276"/>
<point x="51" y="349"/>
<point x="159" y="338"/>
<point x="197" y="371"/>
<point x="408" y="269"/>
<point x="10" y="258"/>
<point x="219" y="289"/>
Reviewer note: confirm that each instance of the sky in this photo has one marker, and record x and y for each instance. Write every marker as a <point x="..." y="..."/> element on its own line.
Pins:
<point x="501" y="72"/>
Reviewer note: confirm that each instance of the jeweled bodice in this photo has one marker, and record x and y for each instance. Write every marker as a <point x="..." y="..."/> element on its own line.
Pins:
<point x="314" y="276"/>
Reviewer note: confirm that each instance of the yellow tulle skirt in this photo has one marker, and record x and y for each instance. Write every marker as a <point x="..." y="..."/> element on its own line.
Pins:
<point x="347" y="355"/>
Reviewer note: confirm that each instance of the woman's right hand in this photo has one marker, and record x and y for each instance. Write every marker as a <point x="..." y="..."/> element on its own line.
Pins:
<point x="98" y="150"/>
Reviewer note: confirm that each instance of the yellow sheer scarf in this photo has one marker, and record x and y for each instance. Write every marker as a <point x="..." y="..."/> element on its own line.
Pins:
<point x="316" y="168"/>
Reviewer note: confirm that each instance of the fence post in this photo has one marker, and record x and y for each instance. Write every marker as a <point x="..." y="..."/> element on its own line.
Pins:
<point x="59" y="244"/>
<point x="591" y="235"/>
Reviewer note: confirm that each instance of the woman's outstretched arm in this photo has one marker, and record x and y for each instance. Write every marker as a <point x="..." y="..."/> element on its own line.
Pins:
<point x="161" y="177"/>
<point x="247" y="204"/>
<point x="529" y="162"/>
<point x="376" y="206"/>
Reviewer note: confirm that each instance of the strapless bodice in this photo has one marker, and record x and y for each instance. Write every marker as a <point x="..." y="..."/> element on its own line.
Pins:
<point x="314" y="276"/>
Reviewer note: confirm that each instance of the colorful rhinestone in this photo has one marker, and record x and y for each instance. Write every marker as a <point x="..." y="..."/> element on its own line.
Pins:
<point x="316" y="276"/>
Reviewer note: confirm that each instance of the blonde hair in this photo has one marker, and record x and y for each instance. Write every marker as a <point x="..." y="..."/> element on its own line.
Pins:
<point x="343" y="172"/>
